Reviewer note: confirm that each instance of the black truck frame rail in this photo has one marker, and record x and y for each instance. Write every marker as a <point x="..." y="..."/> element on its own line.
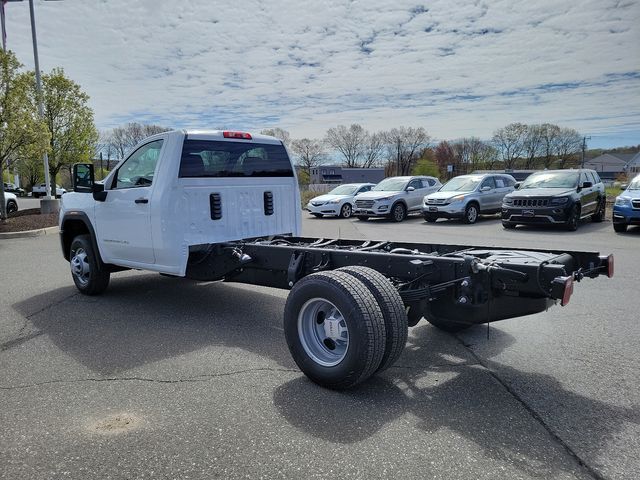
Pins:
<point x="446" y="284"/>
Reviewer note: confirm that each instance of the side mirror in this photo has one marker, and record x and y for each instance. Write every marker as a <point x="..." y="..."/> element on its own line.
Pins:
<point x="83" y="178"/>
<point x="486" y="188"/>
<point x="516" y="185"/>
<point x="587" y="185"/>
<point x="410" y="189"/>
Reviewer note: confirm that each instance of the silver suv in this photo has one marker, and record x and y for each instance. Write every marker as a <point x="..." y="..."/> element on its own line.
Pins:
<point x="395" y="197"/>
<point x="467" y="196"/>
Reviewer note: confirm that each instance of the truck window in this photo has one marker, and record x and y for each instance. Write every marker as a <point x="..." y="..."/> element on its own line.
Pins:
<point x="138" y="169"/>
<point x="211" y="158"/>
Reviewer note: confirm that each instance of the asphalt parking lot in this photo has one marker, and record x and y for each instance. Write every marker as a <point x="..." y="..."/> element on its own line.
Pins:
<point x="168" y="378"/>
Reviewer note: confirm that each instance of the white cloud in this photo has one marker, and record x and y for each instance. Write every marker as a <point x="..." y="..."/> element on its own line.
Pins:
<point x="462" y="68"/>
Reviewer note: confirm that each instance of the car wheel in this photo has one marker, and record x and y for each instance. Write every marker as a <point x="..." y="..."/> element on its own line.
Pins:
<point x="620" y="227"/>
<point x="599" y="215"/>
<point x="393" y="312"/>
<point x="334" y="329"/>
<point x="12" y="207"/>
<point x="574" y="219"/>
<point x="346" y="211"/>
<point x="398" y="212"/>
<point x="509" y="225"/>
<point x="471" y="214"/>
<point x="88" y="272"/>
<point x="317" y="215"/>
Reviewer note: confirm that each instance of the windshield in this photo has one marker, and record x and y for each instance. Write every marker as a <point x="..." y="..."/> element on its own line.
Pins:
<point x="551" y="180"/>
<point x="343" y="190"/>
<point x="392" y="184"/>
<point x="635" y="184"/>
<point x="461" y="184"/>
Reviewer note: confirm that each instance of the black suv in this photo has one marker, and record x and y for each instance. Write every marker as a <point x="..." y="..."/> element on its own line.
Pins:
<point x="555" y="197"/>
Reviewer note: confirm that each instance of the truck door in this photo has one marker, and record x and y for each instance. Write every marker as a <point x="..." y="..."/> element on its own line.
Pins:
<point x="123" y="220"/>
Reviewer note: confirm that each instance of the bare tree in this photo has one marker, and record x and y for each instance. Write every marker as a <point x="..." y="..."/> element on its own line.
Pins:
<point x="310" y="153"/>
<point x="533" y="144"/>
<point x="349" y="142"/>
<point x="123" y="139"/>
<point x="509" y="141"/>
<point x="279" y="133"/>
<point x="404" y="145"/>
<point x="550" y="134"/>
<point x="445" y="155"/>
<point x="373" y="150"/>
<point x="568" y="146"/>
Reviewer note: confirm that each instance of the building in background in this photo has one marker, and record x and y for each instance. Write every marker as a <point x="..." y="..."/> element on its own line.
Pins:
<point x="610" y="165"/>
<point x="335" y="174"/>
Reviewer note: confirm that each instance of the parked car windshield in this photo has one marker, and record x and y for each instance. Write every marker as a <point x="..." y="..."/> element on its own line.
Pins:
<point x="635" y="184"/>
<point x="461" y="184"/>
<point x="344" y="190"/>
<point x="551" y="180"/>
<point x="391" y="185"/>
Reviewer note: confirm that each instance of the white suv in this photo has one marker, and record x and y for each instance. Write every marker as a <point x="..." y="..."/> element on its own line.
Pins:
<point x="395" y="197"/>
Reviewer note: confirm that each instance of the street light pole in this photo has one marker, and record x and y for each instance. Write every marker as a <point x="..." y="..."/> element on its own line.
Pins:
<point x="584" y="147"/>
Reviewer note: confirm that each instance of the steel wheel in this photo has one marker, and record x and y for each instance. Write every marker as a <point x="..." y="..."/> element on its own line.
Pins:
<point x="80" y="267"/>
<point x="345" y="211"/>
<point x="323" y="332"/>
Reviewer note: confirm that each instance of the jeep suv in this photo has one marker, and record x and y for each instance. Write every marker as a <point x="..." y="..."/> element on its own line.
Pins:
<point x="395" y="197"/>
<point x="560" y="197"/>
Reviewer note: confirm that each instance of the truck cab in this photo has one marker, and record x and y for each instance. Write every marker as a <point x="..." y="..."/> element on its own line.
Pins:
<point x="179" y="190"/>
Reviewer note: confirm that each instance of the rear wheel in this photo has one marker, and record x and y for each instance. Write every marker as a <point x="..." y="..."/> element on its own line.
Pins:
<point x="334" y="329"/>
<point x="471" y="213"/>
<point x="392" y="307"/>
<point x="12" y="207"/>
<point x="398" y="212"/>
<point x="88" y="272"/>
<point x="345" y="211"/>
<point x="574" y="219"/>
<point x="600" y="212"/>
<point x="620" y="227"/>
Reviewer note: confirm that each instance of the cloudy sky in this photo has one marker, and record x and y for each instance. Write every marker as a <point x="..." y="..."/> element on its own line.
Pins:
<point x="457" y="68"/>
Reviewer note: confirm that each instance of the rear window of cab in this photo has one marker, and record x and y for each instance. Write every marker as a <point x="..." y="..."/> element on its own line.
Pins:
<point x="212" y="158"/>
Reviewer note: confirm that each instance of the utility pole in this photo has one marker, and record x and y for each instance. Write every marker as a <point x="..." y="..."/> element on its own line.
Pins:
<point x="584" y="147"/>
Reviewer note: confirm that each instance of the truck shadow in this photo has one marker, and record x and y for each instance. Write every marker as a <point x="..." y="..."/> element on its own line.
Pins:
<point x="436" y="385"/>
<point x="460" y="397"/>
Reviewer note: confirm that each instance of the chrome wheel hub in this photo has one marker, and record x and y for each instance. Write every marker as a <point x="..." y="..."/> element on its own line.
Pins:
<point x="80" y="267"/>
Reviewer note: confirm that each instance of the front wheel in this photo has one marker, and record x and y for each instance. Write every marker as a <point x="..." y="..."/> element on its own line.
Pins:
<point x="620" y="227"/>
<point x="574" y="218"/>
<point x="12" y="207"/>
<point x="471" y="214"/>
<point x="398" y="212"/>
<point x="334" y="329"/>
<point x="88" y="272"/>
<point x="345" y="211"/>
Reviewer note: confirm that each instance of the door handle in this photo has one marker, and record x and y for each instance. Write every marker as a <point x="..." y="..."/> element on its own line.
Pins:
<point x="142" y="200"/>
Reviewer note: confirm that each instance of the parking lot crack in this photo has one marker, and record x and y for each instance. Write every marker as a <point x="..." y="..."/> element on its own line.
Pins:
<point x="193" y="379"/>
<point x="536" y="416"/>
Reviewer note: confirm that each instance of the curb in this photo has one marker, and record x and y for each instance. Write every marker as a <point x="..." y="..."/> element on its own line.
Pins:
<point x="30" y="233"/>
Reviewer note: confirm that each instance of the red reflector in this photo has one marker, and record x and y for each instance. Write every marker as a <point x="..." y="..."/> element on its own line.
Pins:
<point x="610" y="266"/>
<point x="568" y="291"/>
<point x="241" y="135"/>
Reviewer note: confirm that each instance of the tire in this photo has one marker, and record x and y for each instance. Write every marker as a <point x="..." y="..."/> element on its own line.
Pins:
<point x="398" y="212"/>
<point x="430" y="219"/>
<point x="346" y="211"/>
<point x="363" y="218"/>
<point x="317" y="215"/>
<point x="87" y="270"/>
<point x="509" y="225"/>
<point x="12" y="207"/>
<point x="393" y="312"/>
<point x="620" y="227"/>
<point x="332" y="362"/>
<point x="446" y="324"/>
<point x="574" y="219"/>
<point x="599" y="214"/>
<point x="471" y="213"/>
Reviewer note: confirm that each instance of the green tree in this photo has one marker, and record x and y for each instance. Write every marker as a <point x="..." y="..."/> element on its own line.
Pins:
<point x="426" y="164"/>
<point x="70" y="122"/>
<point x="22" y="133"/>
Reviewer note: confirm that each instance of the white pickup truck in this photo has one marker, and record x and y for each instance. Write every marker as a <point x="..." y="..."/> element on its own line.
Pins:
<point x="225" y="205"/>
